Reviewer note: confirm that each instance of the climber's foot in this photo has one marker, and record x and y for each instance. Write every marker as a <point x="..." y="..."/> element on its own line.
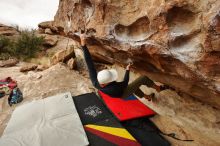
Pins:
<point x="164" y="87"/>
<point x="149" y="97"/>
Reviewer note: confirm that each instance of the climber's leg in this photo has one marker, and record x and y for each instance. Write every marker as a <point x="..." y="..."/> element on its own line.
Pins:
<point x="133" y="88"/>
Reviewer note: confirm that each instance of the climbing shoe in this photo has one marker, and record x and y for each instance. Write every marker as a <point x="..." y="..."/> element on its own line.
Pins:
<point x="149" y="97"/>
<point x="164" y="87"/>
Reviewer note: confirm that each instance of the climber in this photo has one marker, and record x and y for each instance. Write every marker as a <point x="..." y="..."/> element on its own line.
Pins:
<point x="105" y="80"/>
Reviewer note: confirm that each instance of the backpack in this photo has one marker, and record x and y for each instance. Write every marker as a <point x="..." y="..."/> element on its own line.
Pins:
<point x="15" y="97"/>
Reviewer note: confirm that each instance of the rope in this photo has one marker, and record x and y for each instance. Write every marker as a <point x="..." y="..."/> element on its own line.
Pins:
<point x="173" y="135"/>
<point x="155" y="129"/>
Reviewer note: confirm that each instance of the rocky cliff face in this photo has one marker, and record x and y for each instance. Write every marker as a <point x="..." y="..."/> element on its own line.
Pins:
<point x="175" y="42"/>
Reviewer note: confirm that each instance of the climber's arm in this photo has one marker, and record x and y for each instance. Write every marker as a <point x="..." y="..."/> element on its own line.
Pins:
<point x="89" y="63"/>
<point x="126" y="77"/>
<point x="91" y="67"/>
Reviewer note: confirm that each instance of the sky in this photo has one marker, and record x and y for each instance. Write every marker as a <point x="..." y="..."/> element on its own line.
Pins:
<point x="27" y="13"/>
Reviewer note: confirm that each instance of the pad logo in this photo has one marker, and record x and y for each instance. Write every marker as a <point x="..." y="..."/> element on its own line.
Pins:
<point x="93" y="111"/>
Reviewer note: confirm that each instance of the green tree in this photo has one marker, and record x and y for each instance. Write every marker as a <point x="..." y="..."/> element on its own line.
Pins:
<point x="25" y="46"/>
<point x="6" y="47"/>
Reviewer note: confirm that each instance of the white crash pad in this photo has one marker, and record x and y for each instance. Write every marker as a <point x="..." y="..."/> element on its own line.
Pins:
<point x="52" y="121"/>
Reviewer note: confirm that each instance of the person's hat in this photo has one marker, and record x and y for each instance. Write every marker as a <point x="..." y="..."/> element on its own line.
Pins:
<point x="106" y="76"/>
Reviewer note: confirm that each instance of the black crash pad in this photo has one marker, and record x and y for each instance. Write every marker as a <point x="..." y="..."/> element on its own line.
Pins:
<point x="145" y="132"/>
<point x="109" y="133"/>
<point x="93" y="112"/>
<point x="91" y="108"/>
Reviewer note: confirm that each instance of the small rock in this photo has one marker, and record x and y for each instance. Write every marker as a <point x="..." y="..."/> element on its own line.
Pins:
<point x="46" y="24"/>
<point x="48" y="31"/>
<point x="60" y="29"/>
<point x="71" y="63"/>
<point x="28" y="67"/>
<point x="63" y="55"/>
<point x="32" y="75"/>
<point x="41" y="30"/>
<point x="50" y="40"/>
<point x="41" y="67"/>
<point x="54" y="29"/>
<point x="8" y="63"/>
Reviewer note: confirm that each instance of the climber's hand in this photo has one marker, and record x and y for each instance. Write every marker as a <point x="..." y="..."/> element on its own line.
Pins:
<point x="83" y="39"/>
<point x="128" y="66"/>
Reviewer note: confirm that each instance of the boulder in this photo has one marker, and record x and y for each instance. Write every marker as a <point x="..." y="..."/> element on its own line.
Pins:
<point x="49" y="27"/>
<point x="71" y="63"/>
<point x="8" y="63"/>
<point x="41" y="30"/>
<point x="41" y="67"/>
<point x="50" y="40"/>
<point x="48" y="31"/>
<point x="28" y="67"/>
<point x="63" y="55"/>
<point x="46" y="24"/>
<point x="8" y="30"/>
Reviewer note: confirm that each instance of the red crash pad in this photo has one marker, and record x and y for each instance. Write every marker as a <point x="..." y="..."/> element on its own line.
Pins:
<point x="126" y="108"/>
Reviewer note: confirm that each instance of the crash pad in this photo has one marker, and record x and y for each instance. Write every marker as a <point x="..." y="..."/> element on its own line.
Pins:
<point x="91" y="108"/>
<point x="101" y="126"/>
<point x="146" y="132"/>
<point x="52" y="121"/>
<point x="126" y="108"/>
<point x="104" y="129"/>
<point x="109" y="132"/>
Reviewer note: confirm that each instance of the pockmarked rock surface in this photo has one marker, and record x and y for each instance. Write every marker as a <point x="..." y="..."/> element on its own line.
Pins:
<point x="176" y="42"/>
